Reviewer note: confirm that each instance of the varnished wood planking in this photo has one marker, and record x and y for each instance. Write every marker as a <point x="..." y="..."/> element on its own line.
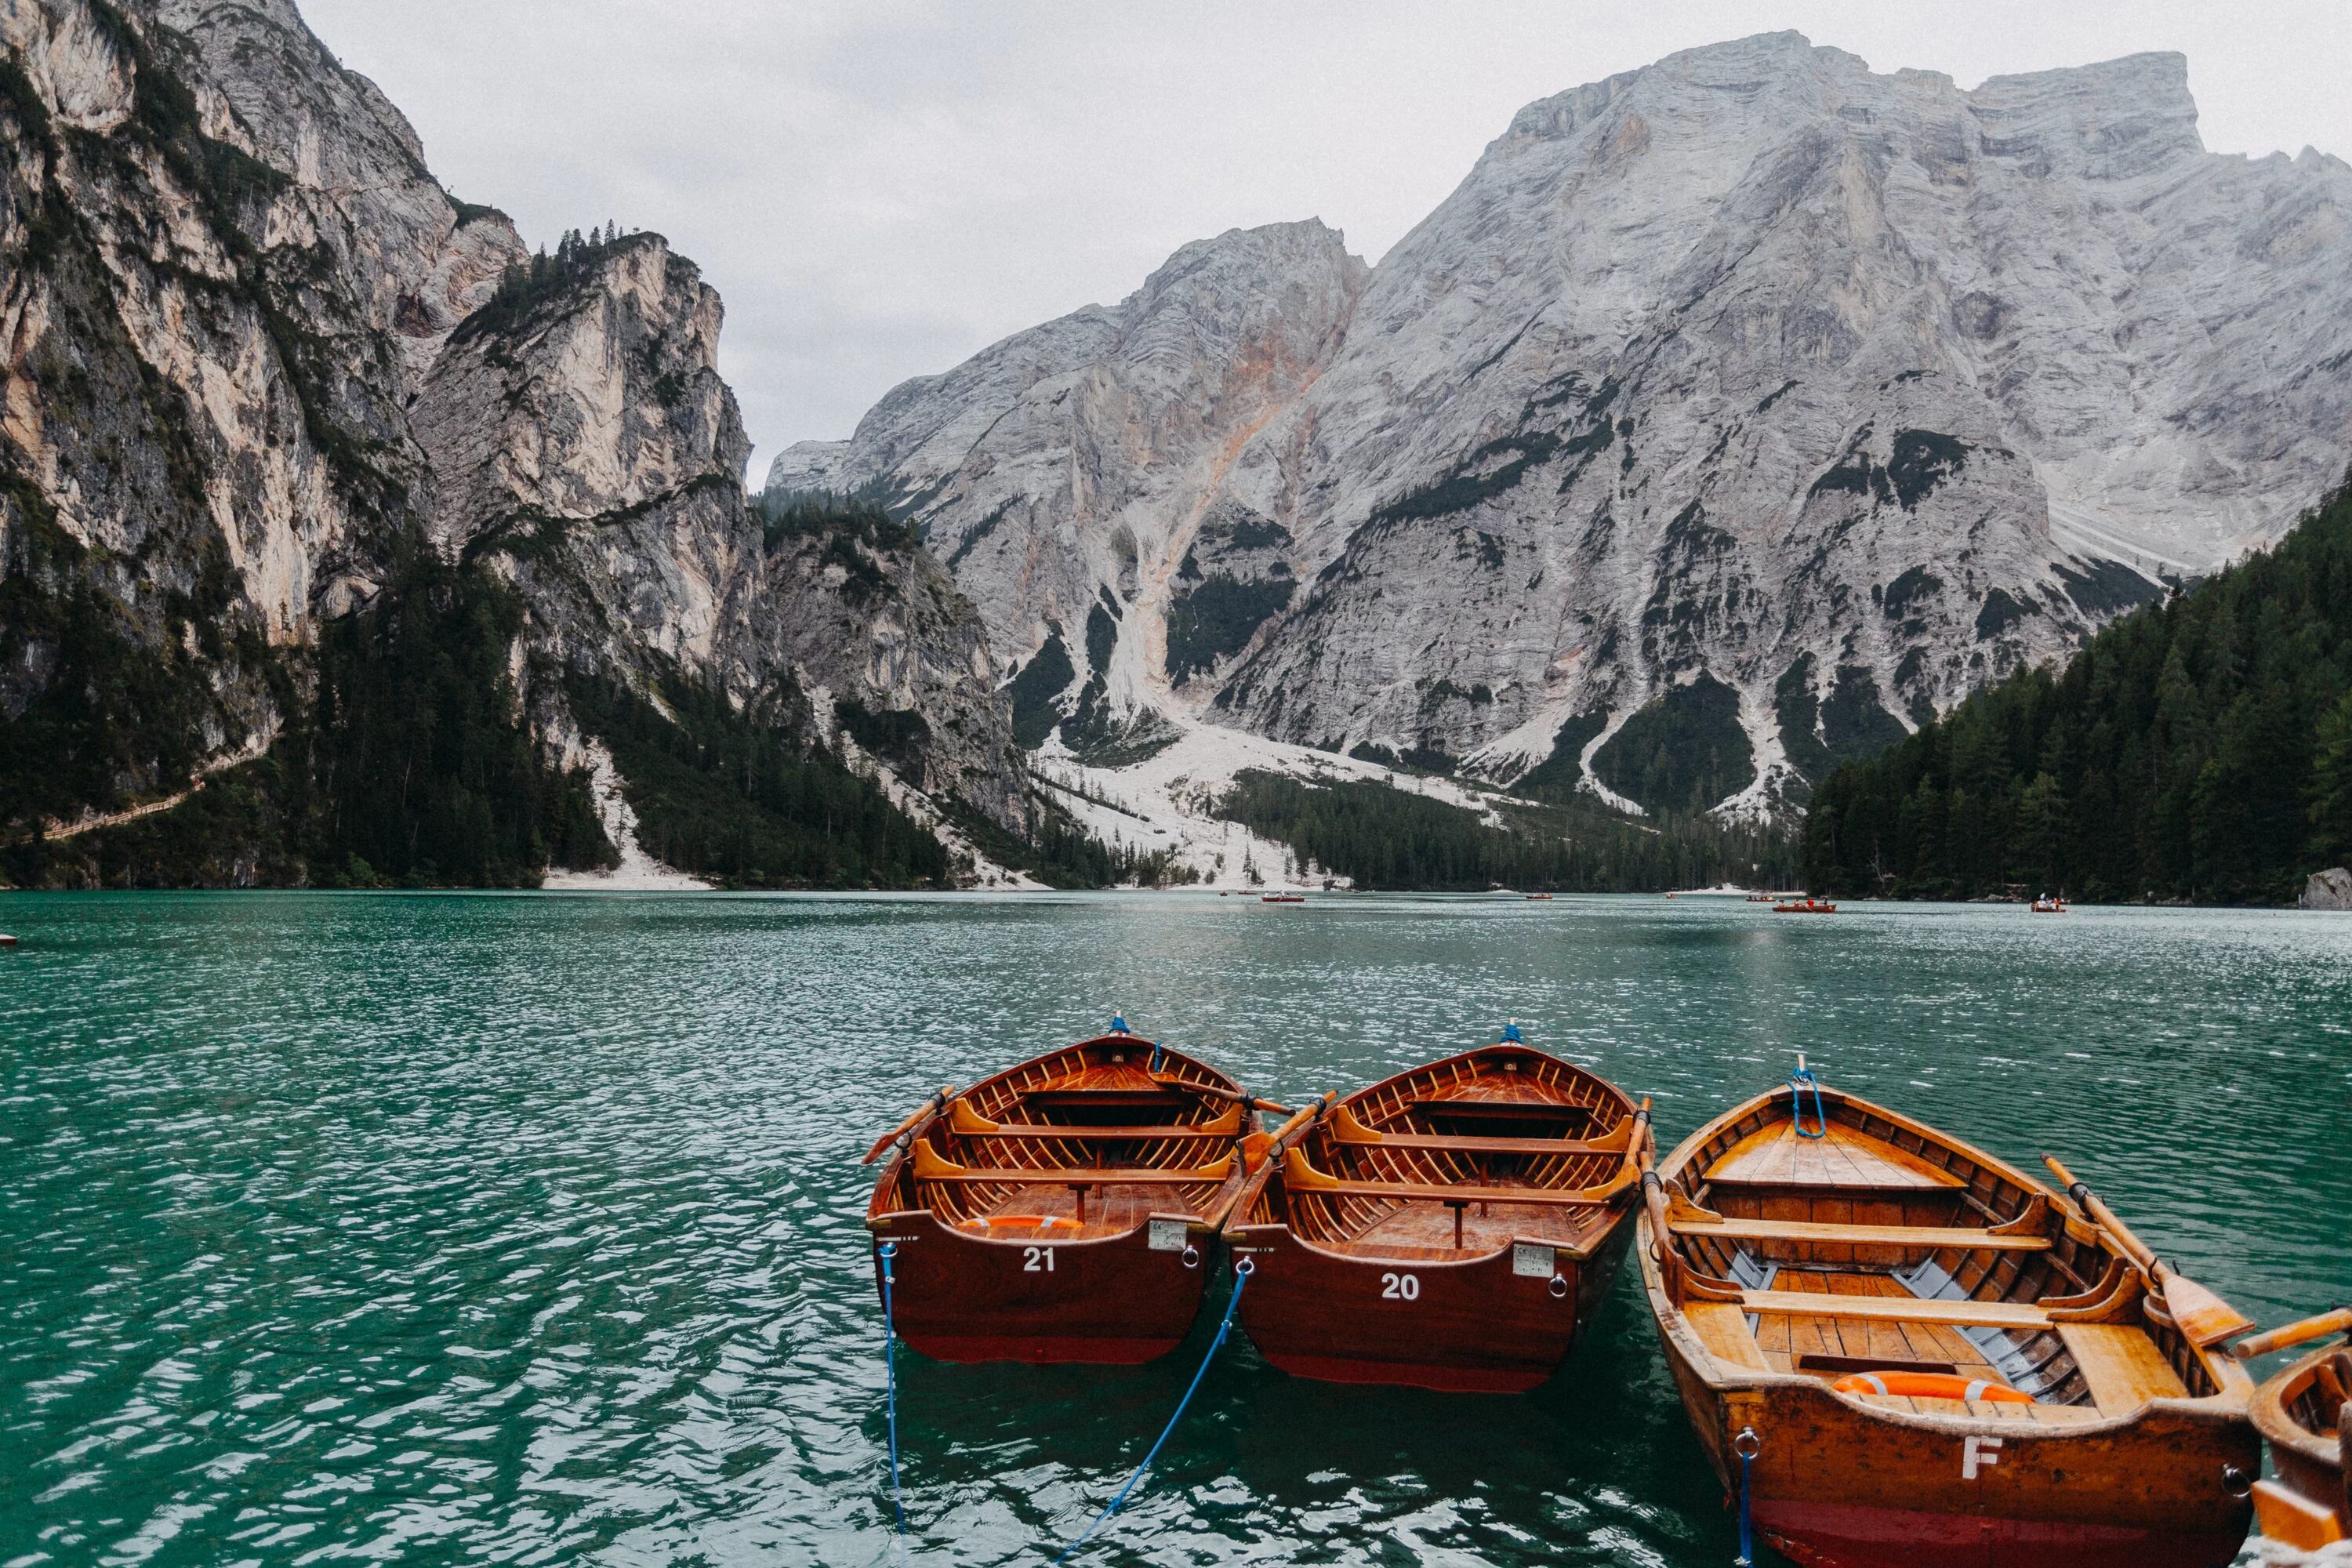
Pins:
<point x="2069" y="1483"/>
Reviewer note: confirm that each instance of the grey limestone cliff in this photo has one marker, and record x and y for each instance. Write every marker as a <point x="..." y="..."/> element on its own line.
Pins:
<point x="1732" y="414"/>
<point x="251" y="346"/>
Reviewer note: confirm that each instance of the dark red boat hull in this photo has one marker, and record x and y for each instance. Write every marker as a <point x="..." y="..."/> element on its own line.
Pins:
<point x="959" y="1297"/>
<point x="1468" y="1327"/>
<point x="1837" y="1535"/>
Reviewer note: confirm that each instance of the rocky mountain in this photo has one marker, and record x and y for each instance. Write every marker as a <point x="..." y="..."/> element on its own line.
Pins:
<point x="254" y="357"/>
<point x="1732" y="416"/>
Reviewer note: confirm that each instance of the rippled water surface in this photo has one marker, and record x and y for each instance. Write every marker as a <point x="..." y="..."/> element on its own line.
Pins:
<point x="433" y="1229"/>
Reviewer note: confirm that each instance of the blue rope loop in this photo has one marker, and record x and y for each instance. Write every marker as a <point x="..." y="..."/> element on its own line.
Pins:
<point x="1242" y="1270"/>
<point x="1510" y="1034"/>
<point x="1800" y="1081"/>
<point x="888" y="1250"/>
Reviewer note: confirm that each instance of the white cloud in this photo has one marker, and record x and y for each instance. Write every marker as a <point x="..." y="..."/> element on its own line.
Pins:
<point x="879" y="189"/>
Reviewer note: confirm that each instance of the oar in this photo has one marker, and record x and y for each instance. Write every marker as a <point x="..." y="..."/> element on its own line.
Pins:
<point x="2204" y="1317"/>
<point x="2302" y="1333"/>
<point x="1274" y="1142"/>
<point x="1171" y="1080"/>
<point x="1634" y="1150"/>
<point x="905" y="1131"/>
<point x="1298" y="1120"/>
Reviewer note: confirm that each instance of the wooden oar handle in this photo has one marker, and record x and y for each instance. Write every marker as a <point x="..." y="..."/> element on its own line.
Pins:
<point x="1215" y="1092"/>
<point x="1635" y="1146"/>
<point x="930" y="1108"/>
<point x="2105" y="1218"/>
<point x="2304" y="1332"/>
<point x="1298" y="1120"/>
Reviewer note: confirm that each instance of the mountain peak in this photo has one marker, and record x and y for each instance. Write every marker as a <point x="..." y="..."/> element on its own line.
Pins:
<point x="1766" y="399"/>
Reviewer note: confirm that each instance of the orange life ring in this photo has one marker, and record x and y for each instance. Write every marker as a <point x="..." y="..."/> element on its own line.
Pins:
<point x="1929" y="1385"/>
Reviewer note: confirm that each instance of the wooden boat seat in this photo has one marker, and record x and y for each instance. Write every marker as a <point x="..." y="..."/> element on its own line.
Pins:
<point x="1347" y="1129"/>
<point x="1898" y="1309"/>
<point x="1303" y="1177"/>
<point x="963" y="1119"/>
<point x="1723" y="1329"/>
<point x="1912" y="1236"/>
<point x="932" y="1167"/>
<point x="1844" y="1161"/>
<point x="2122" y="1365"/>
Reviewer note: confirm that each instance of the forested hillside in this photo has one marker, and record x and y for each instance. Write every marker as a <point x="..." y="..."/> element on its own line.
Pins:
<point x="2197" y="750"/>
<point x="1386" y="838"/>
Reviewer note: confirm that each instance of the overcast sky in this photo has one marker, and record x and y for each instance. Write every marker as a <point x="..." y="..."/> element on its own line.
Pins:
<point x="879" y="187"/>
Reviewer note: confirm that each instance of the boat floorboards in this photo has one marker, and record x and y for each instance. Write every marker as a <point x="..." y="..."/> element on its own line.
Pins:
<point x="1110" y="1211"/>
<point x="1844" y="1160"/>
<point x="1783" y="1338"/>
<point x="1426" y="1230"/>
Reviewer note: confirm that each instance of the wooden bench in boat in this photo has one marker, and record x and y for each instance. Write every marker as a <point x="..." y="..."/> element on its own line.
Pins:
<point x="932" y="1167"/>
<point x="1911" y="1235"/>
<point x="1899" y="1309"/>
<point x="1347" y="1129"/>
<point x="963" y="1119"/>
<point x="2121" y="1365"/>
<point x="1299" y="1175"/>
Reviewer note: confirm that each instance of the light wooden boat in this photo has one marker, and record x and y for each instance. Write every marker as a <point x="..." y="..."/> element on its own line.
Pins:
<point x="2070" y="1422"/>
<point x="2306" y="1413"/>
<point x="1454" y="1228"/>
<point x="1063" y="1210"/>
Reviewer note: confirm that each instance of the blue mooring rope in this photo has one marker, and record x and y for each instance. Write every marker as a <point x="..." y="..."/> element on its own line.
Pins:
<point x="1747" y="1445"/>
<point x="890" y="1381"/>
<point x="1242" y="1271"/>
<point x="1800" y="1081"/>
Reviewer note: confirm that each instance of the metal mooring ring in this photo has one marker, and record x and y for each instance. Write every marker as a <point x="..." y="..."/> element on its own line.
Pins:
<point x="1246" y="1266"/>
<point x="1558" y="1287"/>
<point x="1192" y="1255"/>
<point x="1747" y="1445"/>
<point x="890" y="1250"/>
<point x="2236" y="1482"/>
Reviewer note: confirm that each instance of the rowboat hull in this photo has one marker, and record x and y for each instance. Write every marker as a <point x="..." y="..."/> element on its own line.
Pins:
<point x="2309" y="1504"/>
<point x="2148" y="1494"/>
<point x="1062" y="1210"/>
<point x="1454" y="1228"/>
<point x="1477" y="1327"/>
<point x="2135" y="1447"/>
<point x="956" y="1296"/>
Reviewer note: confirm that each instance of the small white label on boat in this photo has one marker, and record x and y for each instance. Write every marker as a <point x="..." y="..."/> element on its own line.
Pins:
<point x="1168" y="1235"/>
<point x="1531" y="1261"/>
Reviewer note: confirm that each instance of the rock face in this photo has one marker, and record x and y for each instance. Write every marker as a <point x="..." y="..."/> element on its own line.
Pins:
<point x="251" y="347"/>
<point x="2330" y="889"/>
<point x="1731" y="415"/>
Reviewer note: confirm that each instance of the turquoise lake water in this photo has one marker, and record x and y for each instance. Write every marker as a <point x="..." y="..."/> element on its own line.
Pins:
<point x="527" y="1228"/>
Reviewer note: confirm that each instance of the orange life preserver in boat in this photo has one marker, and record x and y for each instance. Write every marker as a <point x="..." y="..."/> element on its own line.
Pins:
<point x="1929" y="1385"/>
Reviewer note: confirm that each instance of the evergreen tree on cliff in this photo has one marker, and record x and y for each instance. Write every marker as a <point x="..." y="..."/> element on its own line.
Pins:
<point x="2197" y="750"/>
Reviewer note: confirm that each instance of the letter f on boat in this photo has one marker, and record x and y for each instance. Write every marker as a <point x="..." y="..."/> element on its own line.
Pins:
<point x="1975" y="1451"/>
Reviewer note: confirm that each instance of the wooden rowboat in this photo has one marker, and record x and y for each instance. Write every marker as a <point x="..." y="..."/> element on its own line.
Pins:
<point x="1063" y="1210"/>
<point x="2305" y="1412"/>
<point x="2072" y="1409"/>
<point x="1454" y="1228"/>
